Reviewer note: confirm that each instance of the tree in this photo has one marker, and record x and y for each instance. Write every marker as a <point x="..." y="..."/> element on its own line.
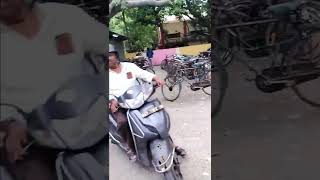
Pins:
<point x="136" y="23"/>
<point x="197" y="10"/>
<point x="116" y="6"/>
<point x="140" y="34"/>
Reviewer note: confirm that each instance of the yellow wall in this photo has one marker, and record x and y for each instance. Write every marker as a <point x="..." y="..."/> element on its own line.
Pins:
<point x="130" y="55"/>
<point x="174" y="27"/>
<point x="193" y="50"/>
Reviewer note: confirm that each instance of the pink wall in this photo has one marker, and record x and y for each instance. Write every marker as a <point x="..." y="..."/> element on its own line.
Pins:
<point x="160" y="54"/>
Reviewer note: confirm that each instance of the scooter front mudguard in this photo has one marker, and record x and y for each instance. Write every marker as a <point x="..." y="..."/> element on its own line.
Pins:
<point x="162" y="151"/>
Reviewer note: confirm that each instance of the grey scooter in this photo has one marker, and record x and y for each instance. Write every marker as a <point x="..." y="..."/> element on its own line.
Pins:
<point x="75" y="159"/>
<point x="149" y="124"/>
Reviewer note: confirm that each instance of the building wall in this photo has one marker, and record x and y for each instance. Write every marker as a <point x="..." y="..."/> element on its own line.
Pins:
<point x="193" y="50"/>
<point x="176" y="27"/>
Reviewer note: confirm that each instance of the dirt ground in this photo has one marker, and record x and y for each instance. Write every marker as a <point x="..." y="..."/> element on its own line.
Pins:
<point x="260" y="136"/>
<point x="190" y="129"/>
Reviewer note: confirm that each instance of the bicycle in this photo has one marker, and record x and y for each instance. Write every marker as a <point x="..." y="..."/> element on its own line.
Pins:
<point x="282" y="34"/>
<point x="199" y="73"/>
<point x="144" y="64"/>
<point x="165" y="64"/>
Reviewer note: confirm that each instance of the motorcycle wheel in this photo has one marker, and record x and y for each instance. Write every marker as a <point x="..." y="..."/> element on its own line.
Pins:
<point x="174" y="173"/>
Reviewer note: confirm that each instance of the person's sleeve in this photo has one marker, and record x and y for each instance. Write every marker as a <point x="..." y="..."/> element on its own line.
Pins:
<point x="94" y="33"/>
<point x="9" y="113"/>
<point x="112" y="97"/>
<point x="142" y="74"/>
<point x="113" y="93"/>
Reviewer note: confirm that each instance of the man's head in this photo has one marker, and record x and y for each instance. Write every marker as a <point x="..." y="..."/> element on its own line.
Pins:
<point x="113" y="59"/>
<point x="14" y="11"/>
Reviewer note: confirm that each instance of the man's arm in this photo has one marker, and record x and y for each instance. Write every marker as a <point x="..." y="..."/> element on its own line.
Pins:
<point x="147" y="76"/>
<point x="94" y="33"/>
<point x="142" y="74"/>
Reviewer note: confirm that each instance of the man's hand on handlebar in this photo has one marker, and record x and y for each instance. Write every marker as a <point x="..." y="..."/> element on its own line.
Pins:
<point x="113" y="106"/>
<point x="158" y="81"/>
<point x="17" y="138"/>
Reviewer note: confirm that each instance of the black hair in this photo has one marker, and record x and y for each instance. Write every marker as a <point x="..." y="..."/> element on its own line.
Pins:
<point x="115" y="53"/>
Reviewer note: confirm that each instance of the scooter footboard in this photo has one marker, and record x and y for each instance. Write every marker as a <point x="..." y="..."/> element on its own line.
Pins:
<point x="162" y="151"/>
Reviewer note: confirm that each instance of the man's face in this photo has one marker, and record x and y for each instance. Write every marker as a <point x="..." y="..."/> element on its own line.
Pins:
<point x="113" y="61"/>
<point x="12" y="9"/>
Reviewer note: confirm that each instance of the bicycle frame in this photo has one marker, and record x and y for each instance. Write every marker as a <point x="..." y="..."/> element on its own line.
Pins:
<point x="181" y="74"/>
<point x="233" y="30"/>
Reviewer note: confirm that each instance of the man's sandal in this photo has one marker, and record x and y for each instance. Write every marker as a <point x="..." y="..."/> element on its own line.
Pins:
<point x="181" y="152"/>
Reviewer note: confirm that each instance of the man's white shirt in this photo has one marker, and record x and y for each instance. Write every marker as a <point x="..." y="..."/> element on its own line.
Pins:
<point x="119" y="83"/>
<point x="31" y="70"/>
<point x="37" y="60"/>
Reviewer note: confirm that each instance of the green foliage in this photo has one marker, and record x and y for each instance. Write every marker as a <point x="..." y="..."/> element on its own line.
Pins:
<point x="116" y="25"/>
<point x="140" y="24"/>
<point x="140" y="34"/>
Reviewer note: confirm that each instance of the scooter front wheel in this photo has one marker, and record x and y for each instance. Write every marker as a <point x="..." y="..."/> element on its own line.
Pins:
<point x="174" y="173"/>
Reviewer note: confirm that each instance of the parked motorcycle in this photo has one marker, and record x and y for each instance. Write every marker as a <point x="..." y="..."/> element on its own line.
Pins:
<point x="149" y="124"/>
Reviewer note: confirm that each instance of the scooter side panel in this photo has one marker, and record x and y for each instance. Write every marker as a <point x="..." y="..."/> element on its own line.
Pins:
<point x="157" y="122"/>
<point x="139" y="130"/>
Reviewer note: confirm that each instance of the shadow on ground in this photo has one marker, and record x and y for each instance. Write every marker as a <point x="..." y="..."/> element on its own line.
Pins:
<point x="260" y="136"/>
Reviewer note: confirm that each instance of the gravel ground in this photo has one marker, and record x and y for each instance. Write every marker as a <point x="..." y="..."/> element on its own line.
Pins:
<point x="260" y="136"/>
<point x="191" y="129"/>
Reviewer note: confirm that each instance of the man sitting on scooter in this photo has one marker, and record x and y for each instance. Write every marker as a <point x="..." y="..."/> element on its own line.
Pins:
<point x="122" y="76"/>
<point x="38" y="41"/>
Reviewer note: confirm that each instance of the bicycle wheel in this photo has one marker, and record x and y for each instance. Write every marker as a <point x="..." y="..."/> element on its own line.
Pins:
<point x="219" y="76"/>
<point x="219" y="82"/>
<point x="164" y="64"/>
<point x="207" y="90"/>
<point x="307" y="88"/>
<point x="172" y="89"/>
<point x="226" y="54"/>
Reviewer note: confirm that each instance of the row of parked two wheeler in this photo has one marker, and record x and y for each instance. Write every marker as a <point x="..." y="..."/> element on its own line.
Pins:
<point x="194" y="70"/>
<point x="190" y="61"/>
